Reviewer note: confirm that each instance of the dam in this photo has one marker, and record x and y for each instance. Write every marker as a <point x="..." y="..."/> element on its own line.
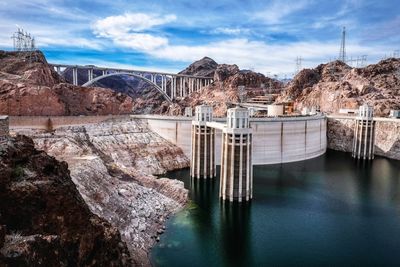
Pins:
<point x="275" y="140"/>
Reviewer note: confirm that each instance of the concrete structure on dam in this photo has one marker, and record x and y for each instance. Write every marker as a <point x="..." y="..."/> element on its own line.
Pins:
<point x="202" y="164"/>
<point x="364" y="134"/>
<point x="275" y="140"/>
<point x="236" y="174"/>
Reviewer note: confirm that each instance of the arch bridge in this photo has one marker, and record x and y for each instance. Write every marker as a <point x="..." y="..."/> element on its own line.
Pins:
<point x="170" y="85"/>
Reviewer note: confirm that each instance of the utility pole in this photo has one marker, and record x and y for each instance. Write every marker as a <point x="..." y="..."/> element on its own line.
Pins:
<point x="342" y="52"/>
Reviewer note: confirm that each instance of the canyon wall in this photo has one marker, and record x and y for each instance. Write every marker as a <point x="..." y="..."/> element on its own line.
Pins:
<point x="387" y="135"/>
<point x="44" y="221"/>
<point x="112" y="164"/>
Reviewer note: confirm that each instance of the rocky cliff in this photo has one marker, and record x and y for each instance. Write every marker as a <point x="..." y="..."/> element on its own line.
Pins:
<point x="112" y="165"/>
<point x="44" y="221"/>
<point x="31" y="87"/>
<point x="336" y="85"/>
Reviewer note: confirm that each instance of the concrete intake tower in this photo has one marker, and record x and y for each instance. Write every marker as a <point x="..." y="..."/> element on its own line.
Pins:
<point x="236" y="179"/>
<point x="203" y="144"/>
<point x="364" y="134"/>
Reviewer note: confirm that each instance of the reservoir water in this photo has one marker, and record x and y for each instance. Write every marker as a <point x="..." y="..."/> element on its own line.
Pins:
<point x="327" y="211"/>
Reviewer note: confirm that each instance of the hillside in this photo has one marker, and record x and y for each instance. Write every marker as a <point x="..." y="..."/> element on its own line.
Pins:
<point x="33" y="88"/>
<point x="224" y="90"/>
<point x="336" y="85"/>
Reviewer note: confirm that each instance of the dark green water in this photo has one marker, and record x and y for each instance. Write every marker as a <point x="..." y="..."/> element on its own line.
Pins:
<point x="328" y="211"/>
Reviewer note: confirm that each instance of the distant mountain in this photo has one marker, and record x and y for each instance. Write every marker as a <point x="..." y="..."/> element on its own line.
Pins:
<point x="204" y="67"/>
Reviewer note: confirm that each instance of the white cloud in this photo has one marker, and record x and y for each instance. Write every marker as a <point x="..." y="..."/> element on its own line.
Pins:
<point x="140" y="41"/>
<point x="128" y="30"/>
<point x="260" y="56"/>
<point x="278" y="10"/>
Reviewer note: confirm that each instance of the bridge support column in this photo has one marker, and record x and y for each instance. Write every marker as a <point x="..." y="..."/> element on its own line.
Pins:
<point x="236" y="182"/>
<point x="90" y="75"/>
<point x="58" y="69"/>
<point x="75" y="76"/>
<point x="364" y="134"/>
<point x="173" y="87"/>
<point x="203" y="145"/>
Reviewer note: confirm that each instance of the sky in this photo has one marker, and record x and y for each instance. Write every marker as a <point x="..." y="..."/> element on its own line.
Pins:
<point x="168" y="35"/>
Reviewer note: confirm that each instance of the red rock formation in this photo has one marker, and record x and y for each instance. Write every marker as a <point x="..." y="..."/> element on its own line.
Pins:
<point x="33" y="88"/>
<point x="44" y="220"/>
<point x="335" y="85"/>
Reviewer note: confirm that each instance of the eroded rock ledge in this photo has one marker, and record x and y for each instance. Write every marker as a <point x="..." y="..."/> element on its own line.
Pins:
<point x="44" y="221"/>
<point x="112" y="164"/>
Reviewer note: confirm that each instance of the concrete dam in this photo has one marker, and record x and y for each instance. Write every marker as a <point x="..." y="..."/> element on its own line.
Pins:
<point x="275" y="140"/>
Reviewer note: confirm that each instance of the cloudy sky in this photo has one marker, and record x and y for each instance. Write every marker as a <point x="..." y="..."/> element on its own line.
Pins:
<point x="167" y="35"/>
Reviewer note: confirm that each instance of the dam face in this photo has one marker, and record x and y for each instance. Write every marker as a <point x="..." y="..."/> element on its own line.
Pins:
<point x="275" y="140"/>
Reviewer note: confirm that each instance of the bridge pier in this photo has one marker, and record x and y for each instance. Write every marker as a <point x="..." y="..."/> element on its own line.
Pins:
<point x="364" y="134"/>
<point x="90" y="75"/>
<point x="236" y="178"/>
<point x="203" y="144"/>
<point x="75" y="76"/>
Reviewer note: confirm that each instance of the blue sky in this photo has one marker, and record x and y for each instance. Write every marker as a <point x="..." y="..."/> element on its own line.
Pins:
<point x="264" y="36"/>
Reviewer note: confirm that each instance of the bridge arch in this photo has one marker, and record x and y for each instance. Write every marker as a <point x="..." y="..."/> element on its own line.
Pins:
<point x="89" y="83"/>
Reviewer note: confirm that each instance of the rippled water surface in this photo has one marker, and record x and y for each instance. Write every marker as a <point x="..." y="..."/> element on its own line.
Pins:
<point x="328" y="211"/>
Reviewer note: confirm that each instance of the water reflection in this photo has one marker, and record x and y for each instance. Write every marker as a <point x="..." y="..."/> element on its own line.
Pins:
<point x="236" y="233"/>
<point x="328" y="211"/>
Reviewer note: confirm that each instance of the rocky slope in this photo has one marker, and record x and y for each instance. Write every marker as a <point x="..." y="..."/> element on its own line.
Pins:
<point x="224" y="90"/>
<point x="43" y="219"/>
<point x="204" y="67"/>
<point x="112" y="165"/>
<point x="31" y="87"/>
<point x="336" y="85"/>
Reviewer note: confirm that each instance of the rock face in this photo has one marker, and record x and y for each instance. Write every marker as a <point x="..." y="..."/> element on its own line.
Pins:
<point x="224" y="90"/>
<point x="32" y="88"/>
<point x="112" y="165"/>
<point x="43" y="219"/>
<point x="387" y="136"/>
<point x="204" y="67"/>
<point x="335" y="85"/>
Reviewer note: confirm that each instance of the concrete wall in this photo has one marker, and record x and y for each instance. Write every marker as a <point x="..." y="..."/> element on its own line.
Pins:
<point x="387" y="135"/>
<point x="275" y="140"/>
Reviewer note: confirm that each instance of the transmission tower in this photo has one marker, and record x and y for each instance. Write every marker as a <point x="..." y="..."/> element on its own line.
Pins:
<point x="298" y="65"/>
<point x="24" y="42"/>
<point x="342" y="52"/>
